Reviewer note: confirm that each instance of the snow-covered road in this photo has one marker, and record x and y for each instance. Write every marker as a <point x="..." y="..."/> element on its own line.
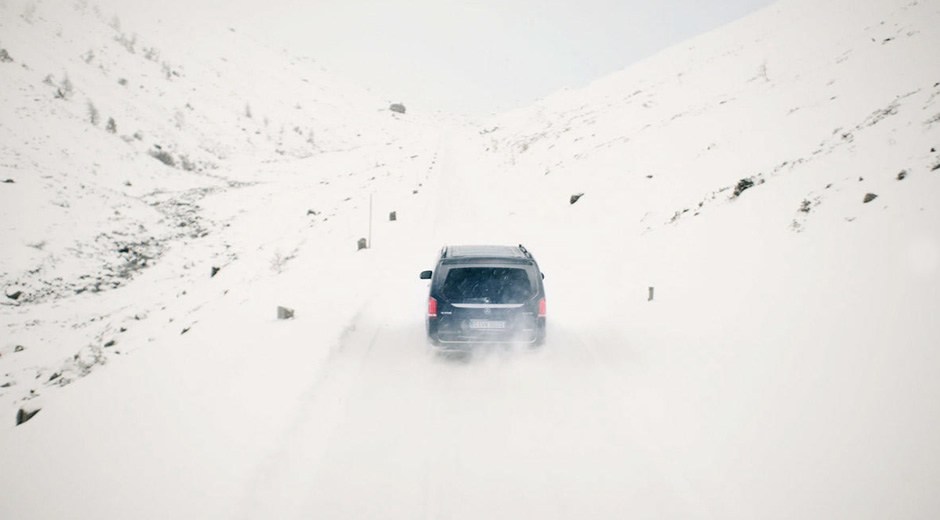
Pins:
<point x="698" y="405"/>
<point x="390" y="428"/>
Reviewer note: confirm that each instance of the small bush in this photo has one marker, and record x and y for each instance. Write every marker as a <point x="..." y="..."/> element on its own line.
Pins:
<point x="128" y="42"/>
<point x="5" y="56"/>
<point x="279" y="262"/>
<point x="93" y="115"/>
<point x="64" y="89"/>
<point x="29" y="12"/>
<point x="152" y="54"/>
<point x="187" y="164"/>
<point x="163" y="156"/>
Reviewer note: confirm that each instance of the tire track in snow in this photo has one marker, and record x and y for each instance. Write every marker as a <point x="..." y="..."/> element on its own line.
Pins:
<point x="322" y="408"/>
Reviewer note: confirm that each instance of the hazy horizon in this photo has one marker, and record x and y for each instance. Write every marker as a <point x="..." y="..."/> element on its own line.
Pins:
<point x="464" y="57"/>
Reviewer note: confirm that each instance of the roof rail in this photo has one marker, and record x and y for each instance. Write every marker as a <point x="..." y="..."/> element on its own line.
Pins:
<point x="444" y="252"/>
<point x="525" y="251"/>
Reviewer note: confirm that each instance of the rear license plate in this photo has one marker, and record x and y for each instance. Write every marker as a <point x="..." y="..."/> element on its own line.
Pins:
<point x="486" y="324"/>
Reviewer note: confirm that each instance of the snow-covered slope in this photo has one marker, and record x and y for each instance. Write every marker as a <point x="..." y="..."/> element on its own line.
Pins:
<point x="794" y="84"/>
<point x="79" y="88"/>
<point x="133" y="151"/>
<point x="784" y="367"/>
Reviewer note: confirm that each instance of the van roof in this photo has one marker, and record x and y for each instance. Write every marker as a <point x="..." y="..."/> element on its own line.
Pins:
<point x="480" y="251"/>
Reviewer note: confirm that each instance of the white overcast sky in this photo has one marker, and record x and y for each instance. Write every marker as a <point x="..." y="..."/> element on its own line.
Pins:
<point x="474" y="56"/>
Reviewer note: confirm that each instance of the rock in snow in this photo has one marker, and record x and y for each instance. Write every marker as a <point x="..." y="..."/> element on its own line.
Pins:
<point x="23" y="415"/>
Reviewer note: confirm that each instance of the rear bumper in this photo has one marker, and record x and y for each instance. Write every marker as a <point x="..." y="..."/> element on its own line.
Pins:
<point x="461" y="338"/>
<point x="467" y="342"/>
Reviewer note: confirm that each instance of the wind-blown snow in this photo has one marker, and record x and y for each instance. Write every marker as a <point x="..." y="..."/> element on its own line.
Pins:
<point x="784" y="369"/>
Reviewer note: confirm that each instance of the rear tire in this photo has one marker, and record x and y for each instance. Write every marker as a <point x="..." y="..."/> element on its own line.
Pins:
<point x="539" y="337"/>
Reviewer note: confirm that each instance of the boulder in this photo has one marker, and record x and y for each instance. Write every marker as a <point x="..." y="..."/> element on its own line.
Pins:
<point x="742" y="185"/>
<point x="24" y="415"/>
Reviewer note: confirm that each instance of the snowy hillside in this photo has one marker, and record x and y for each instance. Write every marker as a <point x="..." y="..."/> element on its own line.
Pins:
<point x="112" y="145"/>
<point x="110" y="92"/>
<point x="742" y="301"/>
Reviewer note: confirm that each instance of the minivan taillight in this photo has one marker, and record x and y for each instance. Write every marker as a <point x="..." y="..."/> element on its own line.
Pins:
<point x="542" y="308"/>
<point x="432" y="308"/>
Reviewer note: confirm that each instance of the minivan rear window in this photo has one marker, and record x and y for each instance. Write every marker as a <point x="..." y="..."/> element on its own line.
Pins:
<point x="496" y="285"/>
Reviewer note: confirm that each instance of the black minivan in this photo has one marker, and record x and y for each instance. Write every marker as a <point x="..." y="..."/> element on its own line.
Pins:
<point x="485" y="294"/>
